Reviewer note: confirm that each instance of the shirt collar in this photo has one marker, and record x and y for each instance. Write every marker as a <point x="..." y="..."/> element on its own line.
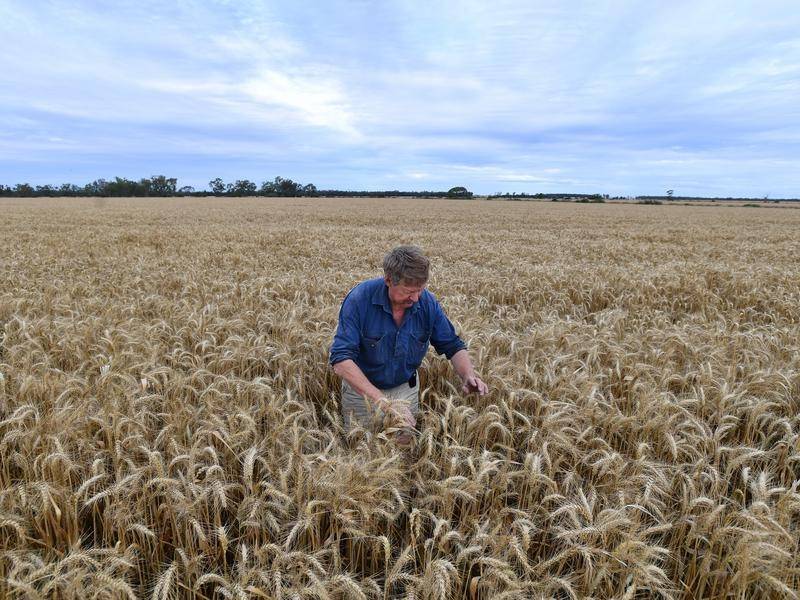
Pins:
<point x="381" y="298"/>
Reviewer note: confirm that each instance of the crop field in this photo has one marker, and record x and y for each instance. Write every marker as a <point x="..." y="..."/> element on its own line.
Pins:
<point x="169" y="425"/>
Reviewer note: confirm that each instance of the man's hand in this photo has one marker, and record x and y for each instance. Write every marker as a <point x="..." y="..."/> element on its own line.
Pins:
<point x="473" y="383"/>
<point x="399" y="410"/>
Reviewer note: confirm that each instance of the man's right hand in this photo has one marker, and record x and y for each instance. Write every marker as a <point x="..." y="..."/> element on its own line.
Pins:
<point x="399" y="409"/>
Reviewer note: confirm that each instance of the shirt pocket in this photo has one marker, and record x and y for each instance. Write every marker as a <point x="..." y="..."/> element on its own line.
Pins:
<point x="372" y="349"/>
<point x="418" y="347"/>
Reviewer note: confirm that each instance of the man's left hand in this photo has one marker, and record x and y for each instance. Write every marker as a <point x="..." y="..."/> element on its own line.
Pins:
<point x="473" y="383"/>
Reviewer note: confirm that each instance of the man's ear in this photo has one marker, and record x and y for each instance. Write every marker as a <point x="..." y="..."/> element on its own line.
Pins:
<point x="387" y="280"/>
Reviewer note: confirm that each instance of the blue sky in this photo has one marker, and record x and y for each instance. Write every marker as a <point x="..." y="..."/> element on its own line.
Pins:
<point x="619" y="97"/>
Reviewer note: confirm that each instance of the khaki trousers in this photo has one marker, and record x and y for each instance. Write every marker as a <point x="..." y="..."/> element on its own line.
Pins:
<point x="356" y="410"/>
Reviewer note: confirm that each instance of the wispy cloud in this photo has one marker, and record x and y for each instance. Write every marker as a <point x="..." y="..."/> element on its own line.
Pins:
<point x="616" y="96"/>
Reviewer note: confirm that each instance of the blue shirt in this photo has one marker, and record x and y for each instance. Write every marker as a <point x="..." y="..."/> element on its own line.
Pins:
<point x="387" y="354"/>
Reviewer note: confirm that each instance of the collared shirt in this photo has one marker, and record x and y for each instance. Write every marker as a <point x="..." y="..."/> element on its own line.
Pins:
<point x="387" y="354"/>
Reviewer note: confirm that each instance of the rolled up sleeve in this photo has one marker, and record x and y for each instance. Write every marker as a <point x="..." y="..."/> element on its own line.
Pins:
<point x="348" y="333"/>
<point x="443" y="335"/>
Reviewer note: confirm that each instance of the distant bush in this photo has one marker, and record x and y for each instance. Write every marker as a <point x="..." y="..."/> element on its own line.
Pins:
<point x="459" y="192"/>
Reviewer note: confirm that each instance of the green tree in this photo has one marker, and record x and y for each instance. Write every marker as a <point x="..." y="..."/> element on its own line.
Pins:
<point x="45" y="190"/>
<point x="69" y="189"/>
<point x="267" y="189"/>
<point x="122" y="187"/>
<point x="459" y="192"/>
<point x="217" y="186"/>
<point x="287" y="187"/>
<point x="163" y="186"/>
<point x="24" y="190"/>
<point x="243" y="187"/>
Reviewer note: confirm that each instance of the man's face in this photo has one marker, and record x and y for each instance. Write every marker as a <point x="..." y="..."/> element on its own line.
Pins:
<point x="404" y="294"/>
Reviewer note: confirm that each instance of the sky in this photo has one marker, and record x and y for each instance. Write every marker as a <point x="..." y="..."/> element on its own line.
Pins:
<point x="617" y="97"/>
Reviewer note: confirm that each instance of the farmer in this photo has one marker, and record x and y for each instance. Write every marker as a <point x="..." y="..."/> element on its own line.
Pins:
<point x="385" y="325"/>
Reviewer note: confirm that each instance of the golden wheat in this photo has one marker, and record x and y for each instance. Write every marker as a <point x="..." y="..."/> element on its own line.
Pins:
<point x="169" y="426"/>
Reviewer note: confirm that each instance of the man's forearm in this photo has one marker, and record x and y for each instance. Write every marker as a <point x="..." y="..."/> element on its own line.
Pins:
<point x="354" y="376"/>
<point x="462" y="364"/>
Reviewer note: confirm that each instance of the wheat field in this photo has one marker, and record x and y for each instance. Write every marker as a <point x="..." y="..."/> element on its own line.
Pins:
<point x="169" y="426"/>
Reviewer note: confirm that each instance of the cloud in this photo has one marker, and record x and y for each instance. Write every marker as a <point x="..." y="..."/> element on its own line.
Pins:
<point x="614" y="96"/>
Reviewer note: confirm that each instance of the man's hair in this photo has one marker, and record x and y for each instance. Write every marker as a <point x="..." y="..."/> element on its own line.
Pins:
<point x="406" y="263"/>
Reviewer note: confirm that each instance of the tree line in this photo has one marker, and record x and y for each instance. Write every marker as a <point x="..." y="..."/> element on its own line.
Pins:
<point x="672" y="197"/>
<point x="162" y="186"/>
<point x="555" y="197"/>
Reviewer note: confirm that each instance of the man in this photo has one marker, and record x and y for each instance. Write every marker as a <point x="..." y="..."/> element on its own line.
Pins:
<point x="385" y="325"/>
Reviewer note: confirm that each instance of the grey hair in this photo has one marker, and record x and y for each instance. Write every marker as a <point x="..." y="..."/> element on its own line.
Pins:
<point x="406" y="263"/>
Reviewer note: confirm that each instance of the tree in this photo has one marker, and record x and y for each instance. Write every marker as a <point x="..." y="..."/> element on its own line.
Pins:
<point x="186" y="190"/>
<point x="281" y="187"/>
<point x="24" y="190"/>
<point x="217" y="186"/>
<point x="669" y="194"/>
<point x="267" y="188"/>
<point x="309" y="190"/>
<point x="69" y="189"/>
<point x="121" y="187"/>
<point x="163" y="186"/>
<point x="459" y="192"/>
<point x="286" y="187"/>
<point x="45" y="190"/>
<point x="96" y="188"/>
<point x="243" y="187"/>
